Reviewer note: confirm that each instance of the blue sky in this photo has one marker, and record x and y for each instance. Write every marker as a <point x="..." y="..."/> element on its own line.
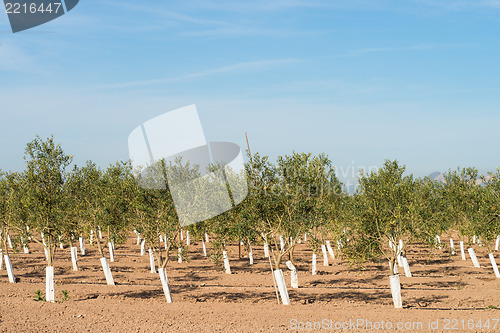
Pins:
<point x="359" y="80"/>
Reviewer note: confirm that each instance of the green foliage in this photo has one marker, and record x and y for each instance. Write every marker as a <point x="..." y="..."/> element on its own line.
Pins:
<point x="39" y="296"/>
<point x="385" y="210"/>
<point x="65" y="296"/>
<point x="45" y="196"/>
<point x="298" y="193"/>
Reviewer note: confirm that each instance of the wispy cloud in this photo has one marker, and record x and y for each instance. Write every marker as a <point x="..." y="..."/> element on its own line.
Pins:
<point x="15" y="59"/>
<point x="429" y="46"/>
<point x="159" y="11"/>
<point x="249" y="30"/>
<point x="219" y="18"/>
<point x="247" y="6"/>
<point x="459" y="5"/>
<point x="249" y="65"/>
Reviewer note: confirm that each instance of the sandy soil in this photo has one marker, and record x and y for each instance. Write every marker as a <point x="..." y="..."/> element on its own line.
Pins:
<point x="445" y="294"/>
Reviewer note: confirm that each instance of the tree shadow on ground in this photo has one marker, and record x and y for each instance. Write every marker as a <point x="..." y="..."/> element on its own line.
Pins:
<point x="348" y="283"/>
<point x="436" y="285"/>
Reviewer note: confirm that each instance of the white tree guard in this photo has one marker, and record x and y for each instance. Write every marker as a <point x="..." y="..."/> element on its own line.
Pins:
<point x="330" y="250"/>
<point x="406" y="267"/>
<point x="462" y="250"/>
<point x="204" y="249"/>
<point x="182" y="234"/>
<point x="250" y="254"/>
<point x="152" y="261"/>
<point x="473" y="257"/>
<point x="111" y="252"/>
<point x="494" y="264"/>
<point x="294" y="278"/>
<point x="1" y="259"/>
<point x="282" y="243"/>
<point x="107" y="271"/>
<point x="25" y="246"/>
<point x="82" y="246"/>
<point x="99" y="231"/>
<point x="164" y="282"/>
<point x="143" y="247"/>
<point x="8" y="267"/>
<point x="49" y="284"/>
<point x="9" y="241"/>
<point x="314" y="270"/>
<point x="399" y="249"/>
<point x="452" y="247"/>
<point x="188" y="238"/>
<point x="266" y="250"/>
<point x="138" y="239"/>
<point x="226" y="262"/>
<point x="206" y="238"/>
<point x="396" y="291"/>
<point x="280" y="281"/>
<point x="74" y="257"/>
<point x="325" y="255"/>
<point x="497" y="243"/>
<point x="179" y="255"/>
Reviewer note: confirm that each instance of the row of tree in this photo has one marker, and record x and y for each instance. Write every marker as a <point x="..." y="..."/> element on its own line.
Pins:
<point x="51" y="202"/>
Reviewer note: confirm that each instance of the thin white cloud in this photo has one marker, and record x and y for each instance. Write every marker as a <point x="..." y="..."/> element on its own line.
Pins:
<point x="258" y="6"/>
<point x="249" y="30"/>
<point x="165" y="13"/>
<point x="430" y="46"/>
<point x="254" y="65"/>
<point x="459" y="5"/>
<point x="14" y="59"/>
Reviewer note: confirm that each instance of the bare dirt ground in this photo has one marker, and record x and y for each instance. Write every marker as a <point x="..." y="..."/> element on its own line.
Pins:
<point x="445" y="294"/>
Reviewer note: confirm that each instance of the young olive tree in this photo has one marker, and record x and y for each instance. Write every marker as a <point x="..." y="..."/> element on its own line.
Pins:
<point x="459" y="193"/>
<point x="10" y="209"/>
<point x="385" y="213"/>
<point x="46" y="198"/>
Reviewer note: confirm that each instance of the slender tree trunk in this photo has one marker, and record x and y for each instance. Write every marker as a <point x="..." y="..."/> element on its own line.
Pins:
<point x="98" y="241"/>
<point x="278" y="260"/>
<point x="292" y="259"/>
<point x="392" y="262"/>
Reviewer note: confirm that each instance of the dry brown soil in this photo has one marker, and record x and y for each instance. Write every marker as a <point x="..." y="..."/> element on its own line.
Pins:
<point x="445" y="294"/>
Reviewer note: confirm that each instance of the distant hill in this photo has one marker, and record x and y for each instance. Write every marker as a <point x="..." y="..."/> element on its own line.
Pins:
<point x="439" y="177"/>
<point x="434" y="174"/>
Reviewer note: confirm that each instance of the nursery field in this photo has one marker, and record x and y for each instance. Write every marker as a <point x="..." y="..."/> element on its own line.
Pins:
<point x="444" y="294"/>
